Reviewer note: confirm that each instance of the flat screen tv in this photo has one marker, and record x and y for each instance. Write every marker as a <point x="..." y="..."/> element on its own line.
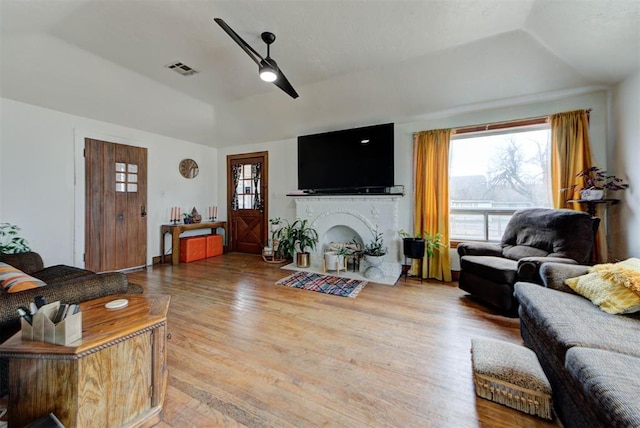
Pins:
<point x="356" y="160"/>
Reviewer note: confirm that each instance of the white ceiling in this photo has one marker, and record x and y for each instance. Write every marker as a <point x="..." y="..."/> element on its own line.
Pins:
<point x="354" y="63"/>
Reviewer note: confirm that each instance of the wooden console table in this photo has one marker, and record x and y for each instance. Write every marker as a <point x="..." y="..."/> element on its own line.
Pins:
<point x="176" y="229"/>
<point x="114" y="376"/>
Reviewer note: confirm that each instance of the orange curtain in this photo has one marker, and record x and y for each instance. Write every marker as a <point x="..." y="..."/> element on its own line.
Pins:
<point x="431" y="166"/>
<point x="570" y="154"/>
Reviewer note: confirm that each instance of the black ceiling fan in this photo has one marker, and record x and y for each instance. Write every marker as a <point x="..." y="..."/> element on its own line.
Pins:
<point x="269" y="70"/>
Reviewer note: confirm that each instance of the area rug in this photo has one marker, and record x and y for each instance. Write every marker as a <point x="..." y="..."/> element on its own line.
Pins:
<point x="345" y="287"/>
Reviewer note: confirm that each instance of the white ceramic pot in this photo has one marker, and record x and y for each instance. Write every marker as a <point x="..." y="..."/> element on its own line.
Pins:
<point x="374" y="260"/>
<point x="592" y="194"/>
<point x="374" y="271"/>
<point x="333" y="260"/>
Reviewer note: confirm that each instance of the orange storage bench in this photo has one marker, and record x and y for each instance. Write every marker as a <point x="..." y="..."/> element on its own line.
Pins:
<point x="193" y="248"/>
<point x="214" y="245"/>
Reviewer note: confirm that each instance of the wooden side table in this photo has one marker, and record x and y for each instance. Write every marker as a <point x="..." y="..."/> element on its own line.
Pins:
<point x="115" y="376"/>
<point x="592" y="203"/>
<point x="176" y="229"/>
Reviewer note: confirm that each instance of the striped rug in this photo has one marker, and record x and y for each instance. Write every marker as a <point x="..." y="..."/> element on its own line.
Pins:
<point x="345" y="287"/>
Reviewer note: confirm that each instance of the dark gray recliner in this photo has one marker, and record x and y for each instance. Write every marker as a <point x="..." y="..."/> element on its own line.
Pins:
<point x="488" y="271"/>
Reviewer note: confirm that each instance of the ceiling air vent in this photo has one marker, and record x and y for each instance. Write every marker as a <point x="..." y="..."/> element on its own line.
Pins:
<point x="181" y="68"/>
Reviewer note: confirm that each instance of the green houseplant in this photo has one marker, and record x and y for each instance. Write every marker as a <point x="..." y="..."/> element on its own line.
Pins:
<point x="374" y="253"/>
<point x="334" y="259"/>
<point x="10" y="241"/>
<point x="416" y="247"/>
<point x="376" y="247"/>
<point x="296" y="238"/>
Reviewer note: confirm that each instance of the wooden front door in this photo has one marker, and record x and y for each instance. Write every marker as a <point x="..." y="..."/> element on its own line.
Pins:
<point x="115" y="206"/>
<point x="247" y="201"/>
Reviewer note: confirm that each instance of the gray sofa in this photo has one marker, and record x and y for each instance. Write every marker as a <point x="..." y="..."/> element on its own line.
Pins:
<point x="592" y="358"/>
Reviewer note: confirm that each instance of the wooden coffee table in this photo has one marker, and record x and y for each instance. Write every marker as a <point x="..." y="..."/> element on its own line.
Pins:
<point x="115" y="376"/>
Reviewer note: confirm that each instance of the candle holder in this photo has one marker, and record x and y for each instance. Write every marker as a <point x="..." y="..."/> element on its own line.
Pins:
<point x="174" y="221"/>
<point x="212" y="219"/>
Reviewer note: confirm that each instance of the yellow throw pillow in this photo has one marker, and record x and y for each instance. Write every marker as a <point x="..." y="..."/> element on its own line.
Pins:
<point x="626" y="274"/>
<point x="13" y="280"/>
<point x="611" y="286"/>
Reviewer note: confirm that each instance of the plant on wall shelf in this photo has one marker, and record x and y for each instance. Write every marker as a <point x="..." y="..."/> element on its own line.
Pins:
<point x="10" y="241"/>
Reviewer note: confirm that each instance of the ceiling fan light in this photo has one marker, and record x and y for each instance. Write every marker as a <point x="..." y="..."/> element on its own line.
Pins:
<point x="267" y="72"/>
<point x="268" y="75"/>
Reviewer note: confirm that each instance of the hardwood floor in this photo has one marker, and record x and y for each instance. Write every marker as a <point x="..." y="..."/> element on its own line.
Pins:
<point x="246" y="352"/>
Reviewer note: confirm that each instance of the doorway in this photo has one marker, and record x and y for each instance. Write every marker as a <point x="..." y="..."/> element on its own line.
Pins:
<point x="115" y="206"/>
<point x="247" y="201"/>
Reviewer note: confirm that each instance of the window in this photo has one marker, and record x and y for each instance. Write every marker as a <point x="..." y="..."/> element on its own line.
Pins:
<point x="494" y="173"/>
<point x="126" y="177"/>
<point x="247" y="186"/>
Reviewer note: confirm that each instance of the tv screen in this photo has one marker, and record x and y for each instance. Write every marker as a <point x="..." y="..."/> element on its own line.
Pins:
<point x="359" y="159"/>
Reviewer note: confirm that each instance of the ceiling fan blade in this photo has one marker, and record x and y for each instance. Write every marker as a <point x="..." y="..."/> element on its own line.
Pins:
<point x="282" y="83"/>
<point x="255" y="56"/>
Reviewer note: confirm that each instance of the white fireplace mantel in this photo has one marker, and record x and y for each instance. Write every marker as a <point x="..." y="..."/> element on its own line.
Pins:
<point x="354" y="216"/>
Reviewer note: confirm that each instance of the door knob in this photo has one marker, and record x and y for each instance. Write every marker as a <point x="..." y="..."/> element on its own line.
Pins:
<point x="143" y="211"/>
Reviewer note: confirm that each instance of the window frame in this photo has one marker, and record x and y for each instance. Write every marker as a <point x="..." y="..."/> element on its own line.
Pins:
<point x="497" y="128"/>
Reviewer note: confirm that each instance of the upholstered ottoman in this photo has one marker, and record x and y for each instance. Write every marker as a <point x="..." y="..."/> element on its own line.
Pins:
<point x="510" y="375"/>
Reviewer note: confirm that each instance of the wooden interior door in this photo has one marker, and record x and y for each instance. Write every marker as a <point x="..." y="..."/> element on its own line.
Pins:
<point x="115" y="206"/>
<point x="247" y="201"/>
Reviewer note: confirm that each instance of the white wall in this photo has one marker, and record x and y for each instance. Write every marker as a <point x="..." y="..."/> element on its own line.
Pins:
<point x="40" y="153"/>
<point x="625" y="154"/>
<point x="42" y="177"/>
<point x="283" y="154"/>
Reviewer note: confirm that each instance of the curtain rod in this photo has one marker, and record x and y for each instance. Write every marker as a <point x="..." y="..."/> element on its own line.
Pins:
<point x="506" y="124"/>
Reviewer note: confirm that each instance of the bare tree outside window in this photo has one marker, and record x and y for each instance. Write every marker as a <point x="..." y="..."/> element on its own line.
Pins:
<point x="492" y="175"/>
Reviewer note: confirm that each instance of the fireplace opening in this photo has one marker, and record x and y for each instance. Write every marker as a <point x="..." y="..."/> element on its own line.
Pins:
<point x="339" y="234"/>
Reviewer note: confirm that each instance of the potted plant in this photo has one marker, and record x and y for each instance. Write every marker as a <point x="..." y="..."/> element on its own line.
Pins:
<point x="376" y="247"/>
<point x="374" y="253"/>
<point x="307" y="237"/>
<point x="273" y="252"/>
<point x="296" y="238"/>
<point x="334" y="259"/>
<point x="413" y="246"/>
<point x="595" y="181"/>
<point x="10" y="241"/>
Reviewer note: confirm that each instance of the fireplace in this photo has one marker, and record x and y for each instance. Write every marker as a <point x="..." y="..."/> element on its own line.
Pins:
<point x="347" y="218"/>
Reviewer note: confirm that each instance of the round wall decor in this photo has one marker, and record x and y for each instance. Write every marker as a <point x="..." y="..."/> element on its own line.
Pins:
<point x="188" y="168"/>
